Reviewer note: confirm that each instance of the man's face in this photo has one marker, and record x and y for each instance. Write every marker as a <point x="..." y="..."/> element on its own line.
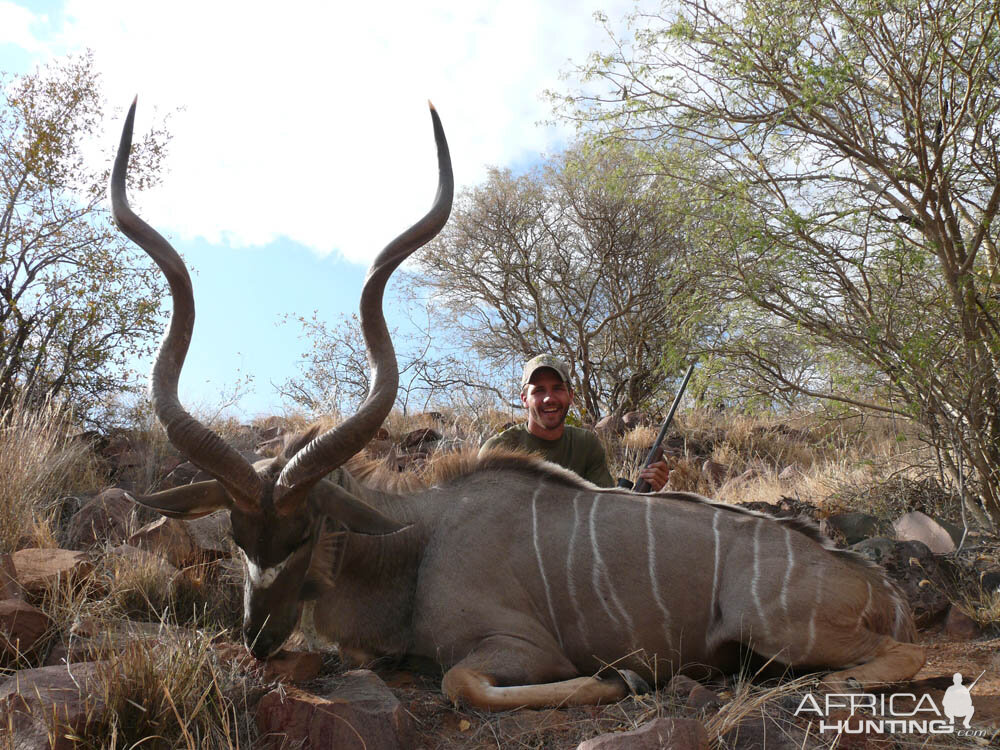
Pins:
<point x="547" y="399"/>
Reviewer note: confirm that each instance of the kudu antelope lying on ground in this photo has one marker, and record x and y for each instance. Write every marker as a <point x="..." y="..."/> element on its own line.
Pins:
<point x="516" y="576"/>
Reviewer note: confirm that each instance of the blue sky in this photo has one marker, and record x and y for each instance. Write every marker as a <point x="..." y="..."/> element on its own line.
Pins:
<point x="301" y="140"/>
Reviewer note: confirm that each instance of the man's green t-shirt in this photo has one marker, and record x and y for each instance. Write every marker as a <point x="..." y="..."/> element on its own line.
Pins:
<point x="577" y="450"/>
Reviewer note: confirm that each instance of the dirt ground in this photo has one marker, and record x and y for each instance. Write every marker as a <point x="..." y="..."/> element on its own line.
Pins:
<point x="944" y="658"/>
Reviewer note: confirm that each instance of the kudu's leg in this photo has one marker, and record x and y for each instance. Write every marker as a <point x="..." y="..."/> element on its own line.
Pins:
<point x="878" y="658"/>
<point x="506" y="673"/>
<point x="893" y="662"/>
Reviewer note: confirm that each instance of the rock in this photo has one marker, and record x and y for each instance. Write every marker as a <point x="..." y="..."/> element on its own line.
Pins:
<point x="96" y="639"/>
<point x="188" y="473"/>
<point x="854" y="527"/>
<point x="680" y="686"/>
<point x="612" y="424"/>
<point x="186" y="543"/>
<point x="633" y="419"/>
<point x="293" y="666"/>
<point x="32" y="700"/>
<point x="168" y="538"/>
<point x="183" y="474"/>
<point x="659" y="734"/>
<point x="211" y="535"/>
<point x="714" y="472"/>
<point x="764" y="732"/>
<point x="22" y="630"/>
<point x="107" y="518"/>
<point x="919" y="527"/>
<point x="127" y="556"/>
<point x="285" y="666"/>
<point x="960" y="626"/>
<point x="10" y="587"/>
<point x="37" y="569"/>
<point x="354" y="710"/>
<point x="419" y="440"/>
<point x="878" y="549"/>
<point x="702" y="699"/>
<point x="789" y="473"/>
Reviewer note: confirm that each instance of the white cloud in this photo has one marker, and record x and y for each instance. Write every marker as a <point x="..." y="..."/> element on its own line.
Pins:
<point x="308" y="119"/>
<point x="16" y="26"/>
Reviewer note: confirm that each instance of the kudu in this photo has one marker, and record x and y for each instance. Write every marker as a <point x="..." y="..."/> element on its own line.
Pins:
<point x="516" y="576"/>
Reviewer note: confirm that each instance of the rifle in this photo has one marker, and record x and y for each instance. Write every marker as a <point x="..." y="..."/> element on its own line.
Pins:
<point x="657" y="450"/>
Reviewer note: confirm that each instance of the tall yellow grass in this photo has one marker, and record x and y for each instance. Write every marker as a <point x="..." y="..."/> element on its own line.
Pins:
<point x="40" y="462"/>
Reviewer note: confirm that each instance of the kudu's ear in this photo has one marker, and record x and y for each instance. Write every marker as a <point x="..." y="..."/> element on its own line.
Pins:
<point x="189" y="501"/>
<point x="339" y="504"/>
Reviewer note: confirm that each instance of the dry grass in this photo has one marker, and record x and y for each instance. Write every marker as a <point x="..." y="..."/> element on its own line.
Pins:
<point x="40" y="463"/>
<point x="172" y="691"/>
<point x="161" y="682"/>
<point x="764" y="458"/>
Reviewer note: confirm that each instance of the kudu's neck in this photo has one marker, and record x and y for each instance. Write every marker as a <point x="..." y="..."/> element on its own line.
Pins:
<point x="368" y="604"/>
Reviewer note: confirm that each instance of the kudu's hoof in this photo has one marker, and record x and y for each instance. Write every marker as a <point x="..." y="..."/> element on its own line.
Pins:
<point x="636" y="685"/>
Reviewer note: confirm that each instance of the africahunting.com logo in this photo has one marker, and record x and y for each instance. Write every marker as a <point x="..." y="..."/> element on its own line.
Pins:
<point x="895" y="713"/>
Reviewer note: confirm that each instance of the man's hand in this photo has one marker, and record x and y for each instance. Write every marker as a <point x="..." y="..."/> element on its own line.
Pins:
<point x="656" y="474"/>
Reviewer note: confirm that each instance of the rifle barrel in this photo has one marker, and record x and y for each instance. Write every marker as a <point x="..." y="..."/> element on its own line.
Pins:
<point x="642" y="485"/>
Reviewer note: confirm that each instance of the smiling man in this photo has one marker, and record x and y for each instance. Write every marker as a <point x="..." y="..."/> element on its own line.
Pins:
<point x="547" y="395"/>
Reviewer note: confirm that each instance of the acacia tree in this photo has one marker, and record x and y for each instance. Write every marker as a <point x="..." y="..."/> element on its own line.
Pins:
<point x="578" y="257"/>
<point x="76" y="300"/>
<point x="852" y="194"/>
<point x="334" y="375"/>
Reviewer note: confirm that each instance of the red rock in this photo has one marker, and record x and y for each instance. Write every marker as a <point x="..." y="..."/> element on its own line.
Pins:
<point x="37" y="568"/>
<point x="10" y="587"/>
<point x="714" y="471"/>
<point x="681" y="685"/>
<point x="32" y="700"/>
<point x="127" y="556"/>
<point x="357" y="710"/>
<point x="107" y="518"/>
<point x="610" y="425"/>
<point x="701" y="698"/>
<point x="293" y="666"/>
<point x="168" y="538"/>
<point x="285" y="666"/>
<point x="22" y="628"/>
<point x="100" y="640"/>
<point x="659" y="734"/>
<point x="211" y="535"/>
<point x="633" y="419"/>
<point x="960" y="626"/>
<point x="918" y="527"/>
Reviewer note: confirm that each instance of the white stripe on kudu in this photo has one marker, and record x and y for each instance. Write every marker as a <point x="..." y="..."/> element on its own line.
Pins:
<point x="541" y="566"/>
<point x="715" y="570"/>
<point x="755" y="582"/>
<point x="600" y="571"/>
<point x="789" y="567"/>
<point x="570" y="581"/>
<point x="653" y="577"/>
